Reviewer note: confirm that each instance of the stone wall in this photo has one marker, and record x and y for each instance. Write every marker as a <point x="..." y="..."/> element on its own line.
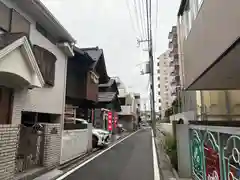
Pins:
<point x="52" y="145"/>
<point x="8" y="148"/>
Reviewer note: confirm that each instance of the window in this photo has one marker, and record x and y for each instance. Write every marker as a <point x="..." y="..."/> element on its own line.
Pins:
<point x="5" y="16"/>
<point x="46" y="62"/>
<point x="19" y="23"/>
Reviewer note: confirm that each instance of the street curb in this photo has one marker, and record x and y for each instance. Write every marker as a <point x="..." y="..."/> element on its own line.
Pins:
<point x="168" y="159"/>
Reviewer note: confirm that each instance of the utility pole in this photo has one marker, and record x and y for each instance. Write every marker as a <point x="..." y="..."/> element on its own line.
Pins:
<point x="151" y="61"/>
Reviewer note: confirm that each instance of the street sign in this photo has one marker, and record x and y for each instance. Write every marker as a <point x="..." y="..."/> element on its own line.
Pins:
<point x="110" y="121"/>
<point x="115" y="120"/>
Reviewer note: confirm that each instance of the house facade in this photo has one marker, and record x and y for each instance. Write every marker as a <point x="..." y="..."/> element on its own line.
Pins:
<point x="34" y="52"/>
<point x="130" y="105"/>
<point x="108" y="107"/>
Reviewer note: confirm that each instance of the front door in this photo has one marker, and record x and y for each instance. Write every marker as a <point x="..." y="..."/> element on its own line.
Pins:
<point x="6" y="100"/>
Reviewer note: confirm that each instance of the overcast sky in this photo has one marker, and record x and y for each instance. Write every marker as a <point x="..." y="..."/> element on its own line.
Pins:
<point x="107" y="24"/>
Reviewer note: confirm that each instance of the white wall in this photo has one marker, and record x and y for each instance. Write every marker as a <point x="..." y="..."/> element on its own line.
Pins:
<point x="183" y="151"/>
<point x="185" y="116"/>
<point x="165" y="127"/>
<point x="45" y="100"/>
<point x="74" y="144"/>
<point x="48" y="100"/>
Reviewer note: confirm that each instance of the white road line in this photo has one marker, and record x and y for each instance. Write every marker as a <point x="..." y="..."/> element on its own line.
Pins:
<point x="92" y="158"/>
<point x="155" y="160"/>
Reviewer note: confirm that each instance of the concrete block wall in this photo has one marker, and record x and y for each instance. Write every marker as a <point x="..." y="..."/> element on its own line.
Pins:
<point x="8" y="149"/>
<point x="52" y="145"/>
<point x="90" y="127"/>
<point x="74" y="144"/>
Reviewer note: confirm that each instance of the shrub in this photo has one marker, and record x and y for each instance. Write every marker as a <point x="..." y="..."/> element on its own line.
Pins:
<point x="171" y="150"/>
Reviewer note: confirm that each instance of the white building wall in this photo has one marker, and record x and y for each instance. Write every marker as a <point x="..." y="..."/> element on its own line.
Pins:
<point x="74" y="144"/>
<point x="48" y="100"/>
<point x="45" y="100"/>
<point x="165" y="82"/>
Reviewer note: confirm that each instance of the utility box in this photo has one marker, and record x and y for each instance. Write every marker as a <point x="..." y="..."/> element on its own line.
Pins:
<point x="147" y="68"/>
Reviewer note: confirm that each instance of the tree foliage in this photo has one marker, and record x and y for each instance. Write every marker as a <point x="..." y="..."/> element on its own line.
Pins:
<point x="174" y="109"/>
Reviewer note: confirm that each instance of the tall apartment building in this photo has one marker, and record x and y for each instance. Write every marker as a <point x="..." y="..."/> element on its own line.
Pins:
<point x="174" y="62"/>
<point x="165" y="86"/>
<point x="209" y="52"/>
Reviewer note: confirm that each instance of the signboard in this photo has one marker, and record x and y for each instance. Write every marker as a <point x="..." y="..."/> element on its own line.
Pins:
<point x="109" y="120"/>
<point x="115" y="120"/>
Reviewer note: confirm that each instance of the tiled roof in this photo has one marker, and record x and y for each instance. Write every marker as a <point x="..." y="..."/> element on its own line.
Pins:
<point x="106" y="96"/>
<point x="94" y="53"/>
<point x="108" y="84"/>
<point x="8" y="38"/>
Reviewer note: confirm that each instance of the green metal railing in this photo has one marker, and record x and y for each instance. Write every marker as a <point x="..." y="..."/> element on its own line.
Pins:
<point x="215" y="152"/>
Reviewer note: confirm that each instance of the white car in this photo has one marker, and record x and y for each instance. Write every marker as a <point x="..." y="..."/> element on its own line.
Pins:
<point x="100" y="138"/>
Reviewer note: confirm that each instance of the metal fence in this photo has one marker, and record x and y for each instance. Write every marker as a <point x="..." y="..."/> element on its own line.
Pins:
<point x="215" y="152"/>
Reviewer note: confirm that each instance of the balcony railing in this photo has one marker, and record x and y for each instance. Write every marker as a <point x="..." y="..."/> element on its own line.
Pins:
<point x="170" y="44"/>
<point x="175" y="80"/>
<point x="215" y="152"/>
<point x="175" y="70"/>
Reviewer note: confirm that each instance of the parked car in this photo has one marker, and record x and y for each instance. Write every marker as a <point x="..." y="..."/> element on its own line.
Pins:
<point x="100" y="138"/>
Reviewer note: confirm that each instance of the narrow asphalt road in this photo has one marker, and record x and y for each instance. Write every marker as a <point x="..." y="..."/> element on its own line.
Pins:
<point x="129" y="160"/>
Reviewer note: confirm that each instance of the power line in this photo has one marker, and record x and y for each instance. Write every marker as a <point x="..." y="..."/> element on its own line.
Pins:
<point x="138" y="22"/>
<point x="141" y="10"/>
<point x="131" y="18"/>
<point x="156" y="27"/>
<point x="142" y="4"/>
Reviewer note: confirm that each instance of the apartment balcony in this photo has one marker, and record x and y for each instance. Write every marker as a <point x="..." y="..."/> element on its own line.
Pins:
<point x="175" y="70"/>
<point x="212" y="47"/>
<point x="172" y="44"/>
<point x="173" y="51"/>
<point x="174" y="93"/>
<point x="174" y="61"/>
<point x="173" y="33"/>
<point x="175" y="81"/>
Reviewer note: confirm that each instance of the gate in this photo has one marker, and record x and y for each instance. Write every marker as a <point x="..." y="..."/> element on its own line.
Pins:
<point x="30" y="148"/>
